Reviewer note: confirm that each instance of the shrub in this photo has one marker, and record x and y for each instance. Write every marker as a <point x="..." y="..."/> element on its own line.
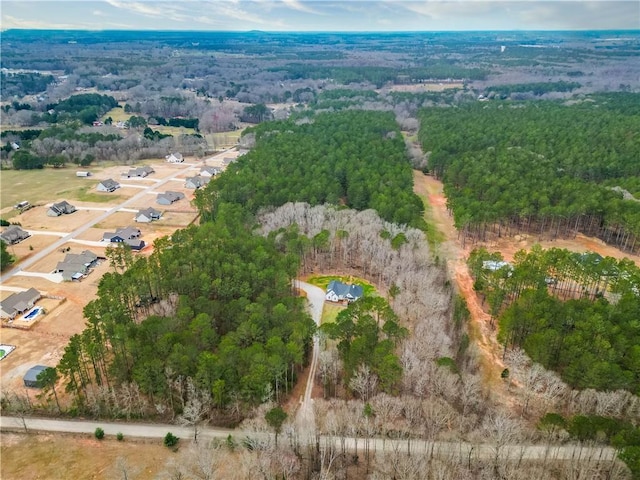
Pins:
<point x="119" y="436"/>
<point x="170" y="440"/>
<point x="99" y="433"/>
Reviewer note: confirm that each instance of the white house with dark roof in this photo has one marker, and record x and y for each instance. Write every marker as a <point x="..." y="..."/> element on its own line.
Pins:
<point x="208" y="171"/>
<point x="175" y="158"/>
<point x="196" y="182"/>
<point x="148" y="215"/>
<point x="108" y="185"/>
<point x="61" y="208"/>
<point x="13" y="234"/>
<point x="18" y="303"/>
<point x="340" y="292"/>
<point x="169" y="197"/>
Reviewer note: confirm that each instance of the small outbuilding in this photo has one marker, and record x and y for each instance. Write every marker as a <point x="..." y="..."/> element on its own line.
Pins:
<point x="31" y="377"/>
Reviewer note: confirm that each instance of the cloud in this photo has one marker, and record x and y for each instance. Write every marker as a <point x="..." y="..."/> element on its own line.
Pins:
<point x="12" y="22"/>
<point x="167" y="10"/>
<point x="301" y="6"/>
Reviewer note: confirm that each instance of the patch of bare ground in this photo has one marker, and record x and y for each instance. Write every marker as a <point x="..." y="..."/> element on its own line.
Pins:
<point x="482" y="326"/>
<point x="48" y="456"/>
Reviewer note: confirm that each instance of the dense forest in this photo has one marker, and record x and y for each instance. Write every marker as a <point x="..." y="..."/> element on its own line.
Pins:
<point x="542" y="167"/>
<point x="213" y="306"/>
<point x="555" y="303"/>
<point x="353" y="158"/>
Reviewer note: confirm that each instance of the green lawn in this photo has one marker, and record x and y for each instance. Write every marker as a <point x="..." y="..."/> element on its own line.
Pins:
<point x="330" y="312"/>
<point x="47" y="185"/>
<point x="434" y="236"/>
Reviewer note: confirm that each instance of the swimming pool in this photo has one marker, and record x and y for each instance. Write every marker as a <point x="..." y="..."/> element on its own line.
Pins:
<point x="33" y="313"/>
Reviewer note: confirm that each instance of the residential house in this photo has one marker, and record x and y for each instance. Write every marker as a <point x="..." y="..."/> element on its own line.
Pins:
<point x="210" y="171"/>
<point x="76" y="266"/>
<point x="108" y="185"/>
<point x="175" y="158"/>
<point x="139" y="172"/>
<point x="340" y="292"/>
<point x="121" y="235"/>
<point x="61" y="208"/>
<point x="148" y="215"/>
<point x="196" y="182"/>
<point x="13" y="234"/>
<point x="168" y="197"/>
<point x="18" y="303"/>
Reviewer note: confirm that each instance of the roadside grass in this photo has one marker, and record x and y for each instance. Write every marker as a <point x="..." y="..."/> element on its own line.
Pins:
<point x="323" y="282"/>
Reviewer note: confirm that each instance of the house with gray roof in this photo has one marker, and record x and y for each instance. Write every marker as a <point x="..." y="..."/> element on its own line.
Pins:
<point x="175" y="158"/>
<point x="61" y="208"/>
<point x="341" y="292"/>
<point x="30" y="378"/>
<point x="18" y="303"/>
<point x="196" y="182"/>
<point x="169" y="197"/>
<point x="148" y="215"/>
<point x="139" y="172"/>
<point x="13" y="234"/>
<point x="108" y="185"/>
<point x="208" y="171"/>
<point x="121" y="234"/>
<point x="76" y="266"/>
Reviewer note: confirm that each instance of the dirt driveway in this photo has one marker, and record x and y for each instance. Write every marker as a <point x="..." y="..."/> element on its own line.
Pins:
<point x="483" y="330"/>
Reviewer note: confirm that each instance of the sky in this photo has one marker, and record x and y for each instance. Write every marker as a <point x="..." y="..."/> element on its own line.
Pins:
<point x="320" y="15"/>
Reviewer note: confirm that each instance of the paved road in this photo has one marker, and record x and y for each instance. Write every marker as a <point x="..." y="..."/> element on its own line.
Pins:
<point x="305" y="418"/>
<point x="461" y="450"/>
<point x="80" y="230"/>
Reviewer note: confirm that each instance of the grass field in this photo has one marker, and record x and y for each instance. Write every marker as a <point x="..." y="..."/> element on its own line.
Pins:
<point x="330" y="312"/>
<point x="38" y="186"/>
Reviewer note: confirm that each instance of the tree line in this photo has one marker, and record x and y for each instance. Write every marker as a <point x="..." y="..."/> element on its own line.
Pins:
<point x="573" y="313"/>
<point x="213" y="305"/>
<point x="352" y="158"/>
<point x="540" y="167"/>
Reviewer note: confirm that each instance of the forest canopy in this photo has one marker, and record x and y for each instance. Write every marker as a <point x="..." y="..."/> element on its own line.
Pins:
<point x="352" y="158"/>
<point x="542" y="166"/>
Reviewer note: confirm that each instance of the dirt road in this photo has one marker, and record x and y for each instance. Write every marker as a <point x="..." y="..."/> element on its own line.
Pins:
<point x="305" y="418"/>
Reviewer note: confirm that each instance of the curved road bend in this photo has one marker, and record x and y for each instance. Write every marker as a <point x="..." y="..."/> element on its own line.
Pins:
<point x="463" y="451"/>
<point x="78" y="231"/>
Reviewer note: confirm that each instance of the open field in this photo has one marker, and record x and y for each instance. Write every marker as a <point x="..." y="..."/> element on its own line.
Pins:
<point x="423" y="87"/>
<point x="81" y="458"/>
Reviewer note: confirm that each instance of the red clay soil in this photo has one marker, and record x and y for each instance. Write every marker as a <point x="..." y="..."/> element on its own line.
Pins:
<point x="482" y="328"/>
